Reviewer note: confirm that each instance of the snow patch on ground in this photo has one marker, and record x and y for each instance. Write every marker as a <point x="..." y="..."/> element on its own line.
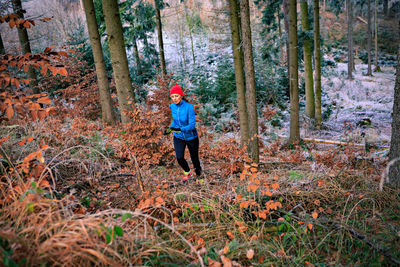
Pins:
<point x="350" y="101"/>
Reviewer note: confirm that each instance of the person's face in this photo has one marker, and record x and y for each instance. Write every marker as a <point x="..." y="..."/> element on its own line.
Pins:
<point x="176" y="98"/>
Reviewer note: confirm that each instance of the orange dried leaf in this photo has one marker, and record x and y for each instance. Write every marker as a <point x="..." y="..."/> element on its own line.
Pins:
<point x="252" y="188"/>
<point x="44" y="100"/>
<point x="275" y="186"/>
<point x="226" y="249"/>
<point x="30" y="139"/>
<point x="63" y="71"/>
<point x="250" y="254"/>
<point x="44" y="183"/>
<point x="314" y="215"/>
<point x="309" y="226"/>
<point x="9" y="112"/>
<point x="22" y="142"/>
<point x="230" y="235"/>
<point x="26" y="24"/>
<point x="4" y="139"/>
<point x="42" y="114"/>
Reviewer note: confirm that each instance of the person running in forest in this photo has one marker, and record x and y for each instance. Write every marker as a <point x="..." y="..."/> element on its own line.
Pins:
<point x="183" y="126"/>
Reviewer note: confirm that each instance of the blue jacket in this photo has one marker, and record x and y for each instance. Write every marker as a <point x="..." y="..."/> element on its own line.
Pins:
<point x="183" y="117"/>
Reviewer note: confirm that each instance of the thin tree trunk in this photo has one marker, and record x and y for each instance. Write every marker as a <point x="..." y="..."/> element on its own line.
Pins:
<point x="102" y="80"/>
<point x="369" y="35"/>
<point x="239" y="75"/>
<point x="394" y="154"/>
<point x="25" y="44"/>
<point x="285" y="8"/>
<point x="190" y="27"/>
<point x="349" y="40"/>
<point x="280" y="37"/>
<point x="160" y="38"/>
<point x="377" y="68"/>
<point x="250" y="80"/>
<point x="118" y="57"/>
<point x="137" y="58"/>
<point x="385" y="8"/>
<point x="294" y="135"/>
<point x="317" y="58"/>
<point x="310" y="100"/>
<point x="192" y="44"/>
<point x="2" y="49"/>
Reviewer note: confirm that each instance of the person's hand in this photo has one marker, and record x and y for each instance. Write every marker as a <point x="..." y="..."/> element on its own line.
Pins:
<point x="167" y="131"/>
<point x="172" y="130"/>
<point x="175" y="130"/>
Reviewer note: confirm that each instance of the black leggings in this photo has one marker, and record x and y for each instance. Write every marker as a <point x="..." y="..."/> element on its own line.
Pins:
<point x="193" y="146"/>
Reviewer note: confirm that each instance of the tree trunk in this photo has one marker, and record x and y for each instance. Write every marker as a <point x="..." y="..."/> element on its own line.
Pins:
<point x="377" y="68"/>
<point x="119" y="60"/>
<point x="190" y="27"/>
<point x="137" y="58"/>
<point x="310" y="100"/>
<point x="369" y="35"/>
<point x="349" y="40"/>
<point x="160" y="38"/>
<point x="25" y="44"/>
<point x="294" y="135"/>
<point x="280" y="37"/>
<point x="102" y="80"/>
<point x="2" y="50"/>
<point x="239" y="75"/>
<point x="317" y="58"/>
<point x="285" y="8"/>
<point x="394" y="172"/>
<point x="385" y="8"/>
<point x="250" y="80"/>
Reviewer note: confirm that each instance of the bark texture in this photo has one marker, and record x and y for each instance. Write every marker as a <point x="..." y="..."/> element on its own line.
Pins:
<point x="294" y="135"/>
<point x="317" y="59"/>
<point x="239" y="75"/>
<point x="350" y="63"/>
<point x="2" y="50"/>
<point x="377" y="68"/>
<point x="118" y="57"/>
<point x="250" y="80"/>
<point x="102" y="80"/>
<point x="310" y="100"/>
<point x="394" y="172"/>
<point x="369" y="36"/>
<point x="25" y="44"/>
<point x="160" y="39"/>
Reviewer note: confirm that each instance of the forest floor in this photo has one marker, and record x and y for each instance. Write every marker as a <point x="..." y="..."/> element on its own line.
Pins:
<point x="74" y="195"/>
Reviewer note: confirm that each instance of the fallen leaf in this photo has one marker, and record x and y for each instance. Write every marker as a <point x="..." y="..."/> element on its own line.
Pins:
<point x="250" y="254"/>
<point x="226" y="249"/>
<point x="309" y="226"/>
<point x="315" y="215"/>
<point x="230" y="235"/>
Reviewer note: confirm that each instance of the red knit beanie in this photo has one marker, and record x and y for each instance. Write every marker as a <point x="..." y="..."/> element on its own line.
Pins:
<point x="176" y="89"/>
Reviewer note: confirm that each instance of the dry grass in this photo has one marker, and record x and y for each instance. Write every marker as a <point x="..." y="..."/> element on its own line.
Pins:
<point x="75" y="220"/>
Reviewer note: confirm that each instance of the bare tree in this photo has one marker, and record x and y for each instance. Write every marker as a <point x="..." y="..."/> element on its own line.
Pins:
<point x="25" y="44"/>
<point x="317" y="58"/>
<point x="294" y="135"/>
<point x="310" y="100"/>
<point x="350" y="63"/>
<point x="251" y="100"/>
<point x="160" y="36"/>
<point x="119" y="60"/>
<point x="369" y="38"/>
<point x="394" y="155"/>
<point x="102" y="80"/>
<point x="239" y="75"/>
